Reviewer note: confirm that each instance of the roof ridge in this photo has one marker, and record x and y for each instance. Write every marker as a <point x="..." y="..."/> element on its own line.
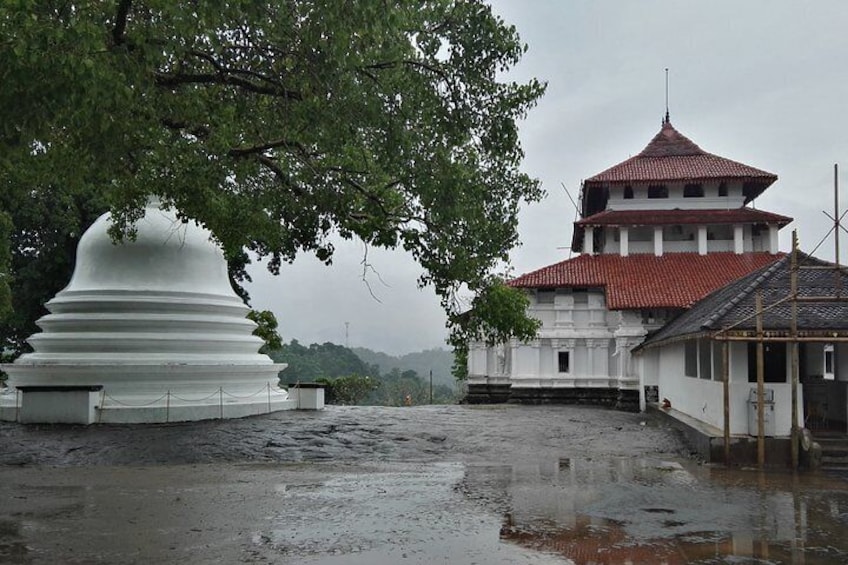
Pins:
<point x="669" y="142"/>
<point x="670" y="155"/>
<point x="755" y="282"/>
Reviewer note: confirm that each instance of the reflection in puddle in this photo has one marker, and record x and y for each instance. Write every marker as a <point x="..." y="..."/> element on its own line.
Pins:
<point x="642" y="511"/>
<point x="12" y="547"/>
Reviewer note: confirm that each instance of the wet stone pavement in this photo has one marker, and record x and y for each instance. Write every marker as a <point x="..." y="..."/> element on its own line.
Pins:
<point x="374" y="485"/>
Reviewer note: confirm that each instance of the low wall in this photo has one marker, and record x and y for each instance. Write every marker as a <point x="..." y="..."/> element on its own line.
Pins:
<point x="704" y="400"/>
<point x="708" y="442"/>
<point x="627" y="400"/>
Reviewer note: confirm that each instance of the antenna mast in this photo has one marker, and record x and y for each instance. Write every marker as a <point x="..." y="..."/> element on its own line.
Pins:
<point x="667" y="118"/>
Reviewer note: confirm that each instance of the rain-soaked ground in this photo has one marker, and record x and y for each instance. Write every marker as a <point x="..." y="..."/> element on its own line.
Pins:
<point x="449" y="484"/>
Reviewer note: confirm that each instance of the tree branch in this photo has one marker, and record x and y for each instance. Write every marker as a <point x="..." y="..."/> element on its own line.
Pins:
<point x="173" y="80"/>
<point x="278" y="172"/>
<point x="201" y="132"/>
<point x="120" y="27"/>
<point x="263" y="147"/>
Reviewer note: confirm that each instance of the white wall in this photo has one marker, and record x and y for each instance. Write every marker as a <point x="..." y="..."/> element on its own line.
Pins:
<point x="702" y="399"/>
<point x="597" y="341"/>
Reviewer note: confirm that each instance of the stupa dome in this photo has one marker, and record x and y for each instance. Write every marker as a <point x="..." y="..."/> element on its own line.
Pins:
<point x="167" y="255"/>
<point x="152" y="321"/>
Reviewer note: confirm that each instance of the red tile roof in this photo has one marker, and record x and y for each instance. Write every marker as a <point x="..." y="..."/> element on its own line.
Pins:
<point x="672" y="156"/>
<point x="673" y="280"/>
<point x="673" y="217"/>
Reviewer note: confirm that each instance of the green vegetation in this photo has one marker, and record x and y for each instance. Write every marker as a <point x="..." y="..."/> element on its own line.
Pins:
<point x="439" y="361"/>
<point x="348" y="390"/>
<point x="275" y="123"/>
<point x="497" y="313"/>
<point x="350" y="380"/>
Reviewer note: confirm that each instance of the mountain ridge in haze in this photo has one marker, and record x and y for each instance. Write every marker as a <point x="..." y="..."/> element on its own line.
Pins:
<point x="439" y="360"/>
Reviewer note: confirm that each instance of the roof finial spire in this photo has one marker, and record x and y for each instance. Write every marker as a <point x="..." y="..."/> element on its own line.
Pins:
<point x="667" y="117"/>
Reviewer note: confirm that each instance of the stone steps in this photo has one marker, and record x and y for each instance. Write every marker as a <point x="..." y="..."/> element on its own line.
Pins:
<point x="834" y="452"/>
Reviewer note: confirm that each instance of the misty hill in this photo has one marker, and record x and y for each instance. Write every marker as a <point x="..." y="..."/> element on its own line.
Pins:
<point x="324" y="360"/>
<point x="351" y="380"/>
<point x="439" y="360"/>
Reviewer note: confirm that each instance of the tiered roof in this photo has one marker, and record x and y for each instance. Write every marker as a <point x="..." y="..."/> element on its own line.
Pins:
<point x="682" y="217"/>
<point x="673" y="280"/>
<point x="673" y="156"/>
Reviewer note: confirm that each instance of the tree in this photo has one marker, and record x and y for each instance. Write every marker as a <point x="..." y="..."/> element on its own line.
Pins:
<point x="266" y="328"/>
<point x="326" y="360"/>
<point x="278" y="123"/>
<point x="348" y="390"/>
<point x="44" y="226"/>
<point x="496" y="314"/>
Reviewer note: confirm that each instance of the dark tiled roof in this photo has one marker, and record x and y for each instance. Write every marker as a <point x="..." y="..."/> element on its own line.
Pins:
<point x="673" y="280"/>
<point x="672" y="156"/>
<point x="735" y="304"/>
<point x="676" y="217"/>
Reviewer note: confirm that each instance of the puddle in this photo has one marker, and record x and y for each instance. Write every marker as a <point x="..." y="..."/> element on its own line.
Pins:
<point x="594" y="511"/>
<point x="12" y="547"/>
<point x="374" y="486"/>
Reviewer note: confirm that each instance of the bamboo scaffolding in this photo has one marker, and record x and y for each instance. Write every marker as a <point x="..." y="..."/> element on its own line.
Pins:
<point x="761" y="437"/>
<point x="725" y="371"/>
<point x="794" y="335"/>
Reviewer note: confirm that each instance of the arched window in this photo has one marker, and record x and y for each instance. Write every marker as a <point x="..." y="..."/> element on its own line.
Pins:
<point x="628" y="192"/>
<point x="658" y="191"/>
<point x="693" y="191"/>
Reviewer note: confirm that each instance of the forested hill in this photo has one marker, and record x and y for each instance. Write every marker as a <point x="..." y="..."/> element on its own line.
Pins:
<point x="350" y="379"/>
<point x="439" y="360"/>
<point x="326" y="360"/>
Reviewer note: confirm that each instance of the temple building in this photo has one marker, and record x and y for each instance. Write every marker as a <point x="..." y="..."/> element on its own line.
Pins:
<point x="657" y="234"/>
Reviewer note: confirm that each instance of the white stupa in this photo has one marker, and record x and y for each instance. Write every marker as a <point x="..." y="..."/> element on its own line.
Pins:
<point x="148" y="330"/>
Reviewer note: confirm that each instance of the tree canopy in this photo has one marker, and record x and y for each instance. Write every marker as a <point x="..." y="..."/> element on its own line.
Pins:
<point x="274" y="123"/>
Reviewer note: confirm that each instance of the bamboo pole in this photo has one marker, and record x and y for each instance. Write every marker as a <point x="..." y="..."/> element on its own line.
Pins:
<point x="785" y="339"/>
<point x="761" y="438"/>
<point x="794" y="344"/>
<point x="725" y="370"/>
<point x="836" y="227"/>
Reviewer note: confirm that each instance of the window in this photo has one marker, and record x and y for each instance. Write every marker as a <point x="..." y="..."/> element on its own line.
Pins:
<point x="690" y="368"/>
<point x="705" y="359"/>
<point x="774" y="362"/>
<point x="628" y="192"/>
<point x="658" y="191"/>
<point x="581" y="295"/>
<point x="828" y="360"/>
<point x="722" y="189"/>
<point x="562" y="361"/>
<point x="718" y="362"/>
<point x="693" y="191"/>
<point x="545" y="296"/>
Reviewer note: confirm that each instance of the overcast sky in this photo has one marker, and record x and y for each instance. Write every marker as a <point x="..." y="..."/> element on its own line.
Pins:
<point x="761" y="82"/>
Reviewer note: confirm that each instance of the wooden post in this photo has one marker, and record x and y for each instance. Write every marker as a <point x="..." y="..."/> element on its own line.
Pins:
<point x="725" y="370"/>
<point x="836" y="228"/>
<point x="793" y="332"/>
<point x="761" y="437"/>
